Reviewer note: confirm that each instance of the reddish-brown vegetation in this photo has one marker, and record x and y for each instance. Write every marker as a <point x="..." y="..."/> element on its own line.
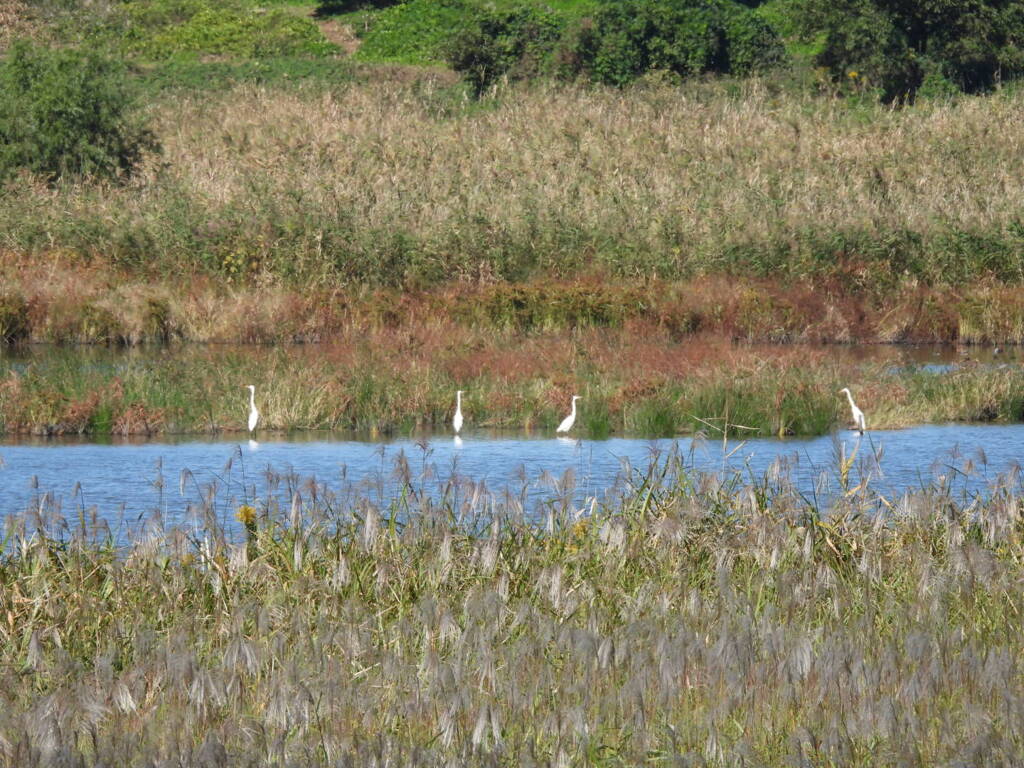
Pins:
<point x="70" y="300"/>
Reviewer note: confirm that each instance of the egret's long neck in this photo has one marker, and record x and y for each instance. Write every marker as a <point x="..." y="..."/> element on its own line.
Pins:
<point x="458" y="401"/>
<point x="252" y="399"/>
<point x="574" y="406"/>
<point x="850" y="398"/>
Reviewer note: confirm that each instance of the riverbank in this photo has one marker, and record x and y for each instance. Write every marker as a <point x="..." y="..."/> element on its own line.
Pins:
<point x="690" y="620"/>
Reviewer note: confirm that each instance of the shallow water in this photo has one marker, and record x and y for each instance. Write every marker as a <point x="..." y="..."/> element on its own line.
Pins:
<point x="128" y="481"/>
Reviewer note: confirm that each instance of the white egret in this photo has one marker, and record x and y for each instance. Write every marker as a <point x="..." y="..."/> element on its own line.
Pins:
<point x="857" y="413"/>
<point x="569" y="420"/>
<point x="457" y="420"/>
<point x="254" y="415"/>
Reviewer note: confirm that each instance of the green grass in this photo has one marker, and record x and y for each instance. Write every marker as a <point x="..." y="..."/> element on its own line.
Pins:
<point x="418" y="31"/>
<point x="414" y="32"/>
<point x="184" y="73"/>
<point x="159" y="29"/>
<point x="717" y="621"/>
<point x="249" y="36"/>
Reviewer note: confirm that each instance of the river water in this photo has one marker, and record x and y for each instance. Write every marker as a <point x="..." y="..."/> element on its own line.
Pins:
<point x="125" y="482"/>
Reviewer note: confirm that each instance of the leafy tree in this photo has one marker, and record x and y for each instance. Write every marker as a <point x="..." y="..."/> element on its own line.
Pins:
<point x="68" y="112"/>
<point x="620" y="42"/>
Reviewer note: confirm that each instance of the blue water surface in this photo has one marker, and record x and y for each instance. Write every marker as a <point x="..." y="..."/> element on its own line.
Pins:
<point x="129" y="481"/>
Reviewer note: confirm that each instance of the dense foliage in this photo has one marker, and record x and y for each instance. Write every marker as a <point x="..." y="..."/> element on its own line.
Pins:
<point x="620" y="42"/>
<point x="414" y="32"/>
<point x="68" y="113"/>
<point x="511" y="43"/>
<point x="895" y="49"/>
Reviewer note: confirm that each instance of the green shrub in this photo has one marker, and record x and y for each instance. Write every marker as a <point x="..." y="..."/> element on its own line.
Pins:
<point x="514" y="44"/>
<point x="68" y="113"/>
<point x="786" y="18"/>
<point x="751" y="42"/>
<point x="624" y="40"/>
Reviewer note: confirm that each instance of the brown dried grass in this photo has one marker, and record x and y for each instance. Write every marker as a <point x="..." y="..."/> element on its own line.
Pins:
<point x="73" y="300"/>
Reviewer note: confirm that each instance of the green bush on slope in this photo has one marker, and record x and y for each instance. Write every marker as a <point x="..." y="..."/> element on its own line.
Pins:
<point x="68" y="113"/>
<point x="620" y="42"/>
<point x="626" y="40"/>
<point x="512" y="43"/>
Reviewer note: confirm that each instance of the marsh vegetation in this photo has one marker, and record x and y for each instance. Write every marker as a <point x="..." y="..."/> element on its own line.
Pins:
<point x="403" y="382"/>
<point x="391" y="184"/>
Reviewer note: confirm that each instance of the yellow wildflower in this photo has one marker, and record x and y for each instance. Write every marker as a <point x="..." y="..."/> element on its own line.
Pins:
<point x="246" y="515"/>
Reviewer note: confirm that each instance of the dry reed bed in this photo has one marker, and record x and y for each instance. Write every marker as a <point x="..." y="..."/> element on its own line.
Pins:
<point x="695" y="620"/>
<point x="394" y="183"/>
<point x="639" y="163"/>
